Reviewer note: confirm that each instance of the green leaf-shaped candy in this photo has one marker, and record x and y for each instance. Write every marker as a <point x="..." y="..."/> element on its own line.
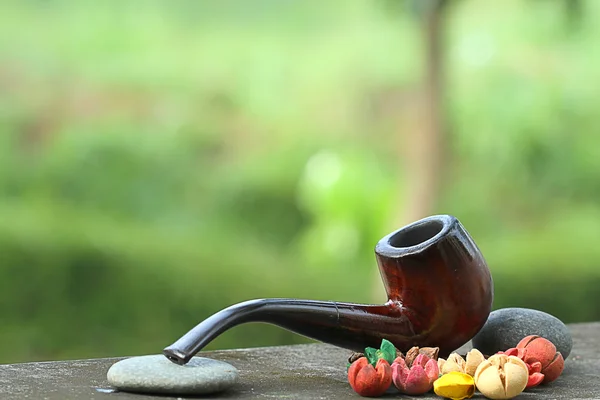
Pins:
<point x="371" y="355"/>
<point x="387" y="351"/>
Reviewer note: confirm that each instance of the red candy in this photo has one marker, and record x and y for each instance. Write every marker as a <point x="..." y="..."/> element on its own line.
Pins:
<point x="545" y="364"/>
<point x="367" y="380"/>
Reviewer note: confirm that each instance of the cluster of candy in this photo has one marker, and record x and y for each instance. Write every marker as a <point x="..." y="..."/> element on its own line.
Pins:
<point x="501" y="376"/>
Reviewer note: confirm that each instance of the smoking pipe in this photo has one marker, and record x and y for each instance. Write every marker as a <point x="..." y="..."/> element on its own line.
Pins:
<point x="439" y="291"/>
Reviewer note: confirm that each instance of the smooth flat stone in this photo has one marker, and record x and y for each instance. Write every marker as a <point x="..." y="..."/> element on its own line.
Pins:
<point x="507" y="326"/>
<point x="156" y="374"/>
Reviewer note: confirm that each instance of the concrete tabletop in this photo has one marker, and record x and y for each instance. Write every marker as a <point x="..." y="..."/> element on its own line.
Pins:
<point x="313" y="371"/>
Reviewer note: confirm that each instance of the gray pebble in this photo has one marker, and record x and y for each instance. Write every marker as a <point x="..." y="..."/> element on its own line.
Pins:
<point x="507" y="326"/>
<point x="156" y="374"/>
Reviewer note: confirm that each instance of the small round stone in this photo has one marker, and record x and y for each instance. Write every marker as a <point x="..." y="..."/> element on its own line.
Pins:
<point x="156" y="374"/>
<point x="507" y="326"/>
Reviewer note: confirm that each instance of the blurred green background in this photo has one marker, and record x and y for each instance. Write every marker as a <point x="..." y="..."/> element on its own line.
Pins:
<point x="161" y="160"/>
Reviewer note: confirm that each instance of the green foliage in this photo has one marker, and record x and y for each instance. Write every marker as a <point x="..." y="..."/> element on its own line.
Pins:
<point x="160" y="161"/>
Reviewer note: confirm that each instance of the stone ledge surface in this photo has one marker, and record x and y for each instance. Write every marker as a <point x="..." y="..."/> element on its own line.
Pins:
<point x="313" y="371"/>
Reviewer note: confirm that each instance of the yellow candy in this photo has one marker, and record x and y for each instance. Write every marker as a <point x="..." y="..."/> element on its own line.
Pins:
<point x="455" y="385"/>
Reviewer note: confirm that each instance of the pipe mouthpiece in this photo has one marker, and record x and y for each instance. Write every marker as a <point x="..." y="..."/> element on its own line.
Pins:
<point x="176" y="356"/>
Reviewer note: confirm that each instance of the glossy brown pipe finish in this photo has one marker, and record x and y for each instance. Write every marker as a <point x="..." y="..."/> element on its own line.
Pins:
<point x="439" y="291"/>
